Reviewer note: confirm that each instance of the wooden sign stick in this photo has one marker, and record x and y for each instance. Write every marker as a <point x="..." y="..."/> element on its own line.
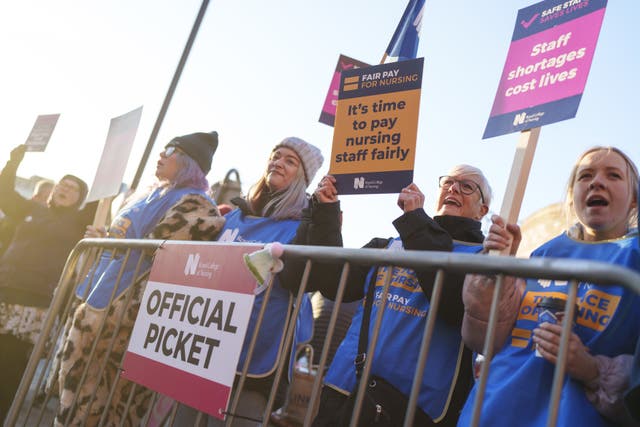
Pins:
<point x="520" y="168"/>
<point x="517" y="183"/>
<point x="102" y="212"/>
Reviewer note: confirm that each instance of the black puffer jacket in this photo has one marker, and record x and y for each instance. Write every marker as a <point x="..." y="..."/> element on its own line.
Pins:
<point x="30" y="267"/>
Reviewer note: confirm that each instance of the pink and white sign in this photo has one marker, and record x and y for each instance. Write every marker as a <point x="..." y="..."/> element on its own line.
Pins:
<point x="547" y="66"/>
<point x="192" y="322"/>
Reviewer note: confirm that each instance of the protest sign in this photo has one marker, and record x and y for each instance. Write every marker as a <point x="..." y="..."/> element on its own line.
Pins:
<point x="115" y="154"/>
<point x="376" y="128"/>
<point x="41" y="132"/>
<point x="328" y="114"/>
<point x="192" y="322"/>
<point x="547" y="65"/>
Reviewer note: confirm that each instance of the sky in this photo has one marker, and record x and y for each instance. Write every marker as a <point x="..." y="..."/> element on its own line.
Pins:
<point x="259" y="72"/>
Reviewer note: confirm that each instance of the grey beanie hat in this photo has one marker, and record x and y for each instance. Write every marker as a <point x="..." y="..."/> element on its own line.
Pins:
<point x="310" y="155"/>
<point x="200" y="146"/>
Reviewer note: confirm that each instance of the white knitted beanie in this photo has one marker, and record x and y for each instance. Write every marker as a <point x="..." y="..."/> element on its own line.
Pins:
<point x="310" y="155"/>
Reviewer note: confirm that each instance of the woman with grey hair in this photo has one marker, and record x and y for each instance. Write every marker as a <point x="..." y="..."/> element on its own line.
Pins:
<point x="271" y="212"/>
<point x="462" y="201"/>
<point x="280" y="193"/>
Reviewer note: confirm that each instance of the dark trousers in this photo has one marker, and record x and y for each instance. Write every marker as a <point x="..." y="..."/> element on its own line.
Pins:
<point x="14" y="355"/>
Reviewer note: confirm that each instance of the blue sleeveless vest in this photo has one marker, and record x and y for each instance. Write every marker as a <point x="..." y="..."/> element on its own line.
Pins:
<point x="519" y="385"/>
<point x="398" y="345"/>
<point x="135" y="221"/>
<point x="242" y="228"/>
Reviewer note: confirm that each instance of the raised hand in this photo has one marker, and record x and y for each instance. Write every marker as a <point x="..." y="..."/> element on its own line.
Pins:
<point x="410" y="198"/>
<point x="17" y="154"/>
<point x="326" y="191"/>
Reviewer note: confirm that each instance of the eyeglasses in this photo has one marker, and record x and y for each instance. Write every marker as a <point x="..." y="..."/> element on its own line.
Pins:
<point x="69" y="185"/>
<point x="466" y="186"/>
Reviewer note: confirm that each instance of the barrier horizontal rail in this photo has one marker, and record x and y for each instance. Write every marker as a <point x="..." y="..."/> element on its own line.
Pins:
<point x="542" y="268"/>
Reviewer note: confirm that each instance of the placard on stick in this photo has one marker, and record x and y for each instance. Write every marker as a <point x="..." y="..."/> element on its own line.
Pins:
<point x="376" y="126"/>
<point x="115" y="154"/>
<point x="41" y="132"/>
<point x="544" y="76"/>
<point x="547" y="66"/>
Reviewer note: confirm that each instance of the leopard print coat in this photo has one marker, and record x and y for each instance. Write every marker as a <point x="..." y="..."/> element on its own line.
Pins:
<point x="194" y="217"/>
<point x="21" y="321"/>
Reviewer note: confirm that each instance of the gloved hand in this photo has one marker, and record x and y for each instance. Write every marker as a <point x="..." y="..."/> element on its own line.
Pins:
<point x="17" y="154"/>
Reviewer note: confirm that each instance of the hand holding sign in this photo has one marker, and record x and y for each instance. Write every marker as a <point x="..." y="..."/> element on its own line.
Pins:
<point x="93" y="232"/>
<point x="326" y="191"/>
<point x="502" y="236"/>
<point x="410" y="198"/>
<point x="17" y="154"/>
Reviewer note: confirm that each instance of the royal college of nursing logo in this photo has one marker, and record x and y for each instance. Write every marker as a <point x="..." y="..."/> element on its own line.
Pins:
<point x="193" y="267"/>
<point x="358" y="182"/>
<point x="229" y="235"/>
<point x="519" y="119"/>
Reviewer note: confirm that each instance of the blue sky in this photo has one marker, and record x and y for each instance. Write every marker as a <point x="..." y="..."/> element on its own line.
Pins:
<point x="259" y="72"/>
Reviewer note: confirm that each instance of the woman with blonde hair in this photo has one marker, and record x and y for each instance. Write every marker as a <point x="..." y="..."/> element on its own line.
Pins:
<point x="602" y="197"/>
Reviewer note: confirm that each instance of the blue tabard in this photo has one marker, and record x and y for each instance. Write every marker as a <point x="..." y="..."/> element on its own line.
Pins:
<point x="607" y="322"/>
<point x="134" y="221"/>
<point x="251" y="229"/>
<point x="399" y="341"/>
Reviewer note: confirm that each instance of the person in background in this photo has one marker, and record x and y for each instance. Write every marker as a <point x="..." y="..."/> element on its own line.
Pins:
<point x="176" y="206"/>
<point x="8" y="225"/>
<point x="463" y="200"/>
<point x="601" y="196"/>
<point x="31" y="265"/>
<point x="42" y="191"/>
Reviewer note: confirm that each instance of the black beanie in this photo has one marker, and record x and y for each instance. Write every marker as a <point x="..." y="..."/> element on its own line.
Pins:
<point x="81" y="185"/>
<point x="200" y="146"/>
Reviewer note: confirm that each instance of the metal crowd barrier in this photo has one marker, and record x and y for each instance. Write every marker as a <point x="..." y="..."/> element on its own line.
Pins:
<point x="35" y="404"/>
